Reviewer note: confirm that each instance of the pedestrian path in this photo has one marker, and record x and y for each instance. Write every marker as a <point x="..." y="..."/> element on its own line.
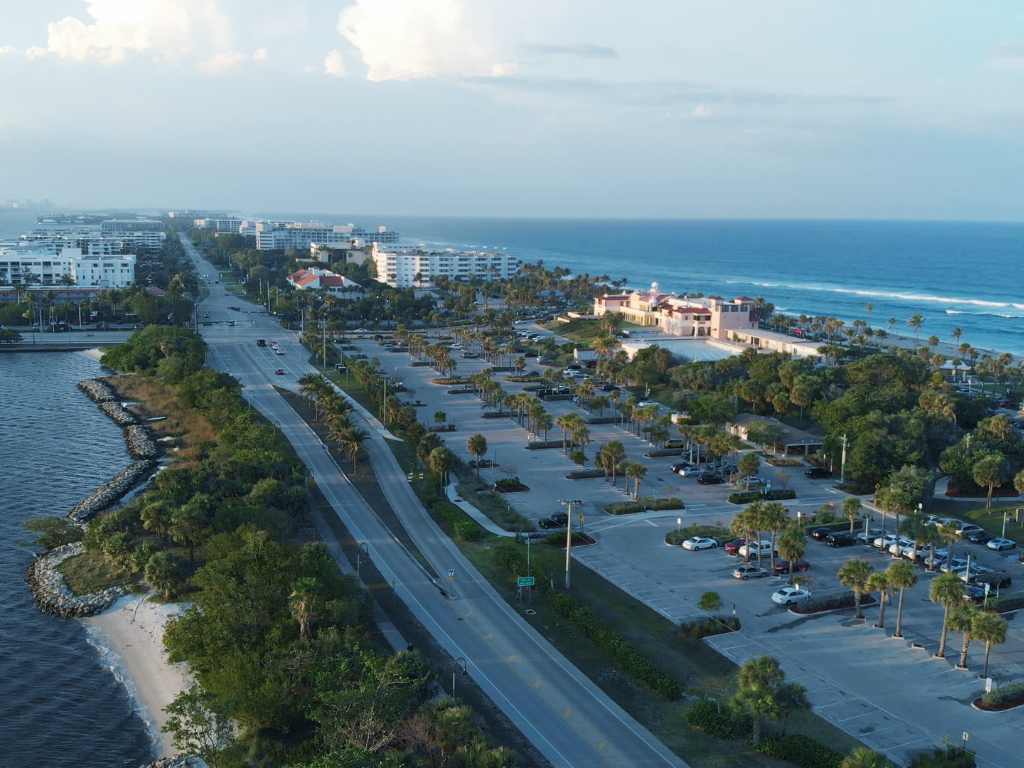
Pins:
<point x="485" y="522"/>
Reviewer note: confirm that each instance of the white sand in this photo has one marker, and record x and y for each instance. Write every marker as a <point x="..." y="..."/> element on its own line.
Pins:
<point x="130" y="643"/>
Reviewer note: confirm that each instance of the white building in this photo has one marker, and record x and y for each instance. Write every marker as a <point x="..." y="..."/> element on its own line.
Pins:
<point x="407" y="268"/>
<point x="278" y="235"/>
<point x="85" y="270"/>
<point x="226" y="226"/>
<point x="90" y="240"/>
<point x="319" y="279"/>
<point x="130" y="225"/>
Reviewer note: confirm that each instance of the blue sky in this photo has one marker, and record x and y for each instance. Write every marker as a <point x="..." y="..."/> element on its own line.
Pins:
<point x="737" y="108"/>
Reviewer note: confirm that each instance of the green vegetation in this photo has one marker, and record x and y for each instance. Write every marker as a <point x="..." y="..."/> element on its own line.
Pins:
<point x="679" y="535"/>
<point x="645" y="503"/>
<point x="52" y="532"/>
<point x="1012" y="693"/>
<point x="91" y="572"/>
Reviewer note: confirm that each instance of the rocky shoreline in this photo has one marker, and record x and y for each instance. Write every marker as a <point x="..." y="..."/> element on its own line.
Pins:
<point x="53" y="596"/>
<point x="182" y="761"/>
<point x="112" y="492"/>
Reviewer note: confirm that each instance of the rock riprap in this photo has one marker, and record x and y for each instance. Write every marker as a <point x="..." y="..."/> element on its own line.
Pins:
<point x="113" y="491"/>
<point x="52" y="594"/>
<point x="97" y="390"/>
<point x="181" y="761"/>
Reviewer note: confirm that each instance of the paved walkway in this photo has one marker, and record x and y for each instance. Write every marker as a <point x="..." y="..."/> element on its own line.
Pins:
<point x="484" y="521"/>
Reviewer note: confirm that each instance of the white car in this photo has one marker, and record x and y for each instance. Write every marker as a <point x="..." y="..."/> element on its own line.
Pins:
<point x="700" y="542"/>
<point x="279" y="351"/>
<point x="790" y="596"/>
<point x="1000" y="544"/>
<point x="897" y="546"/>
<point x="885" y="541"/>
<point x="692" y="471"/>
<point x="972" y="572"/>
<point x="752" y="547"/>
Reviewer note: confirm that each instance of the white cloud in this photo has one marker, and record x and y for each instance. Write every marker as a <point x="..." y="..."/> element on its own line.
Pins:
<point x="36" y="52"/>
<point x="334" y="65"/>
<point x="221" y="62"/>
<point x="261" y="55"/>
<point x="409" y="39"/>
<point x="702" y="112"/>
<point x="5" y="49"/>
<point x="120" y="27"/>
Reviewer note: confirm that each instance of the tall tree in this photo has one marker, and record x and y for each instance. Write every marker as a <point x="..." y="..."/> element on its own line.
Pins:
<point x="854" y="574"/>
<point x="948" y="590"/>
<point x="902" y="576"/>
<point x="989" y="628"/>
<point x="477" y="446"/>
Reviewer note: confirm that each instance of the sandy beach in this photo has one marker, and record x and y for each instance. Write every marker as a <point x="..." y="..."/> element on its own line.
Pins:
<point x="129" y="637"/>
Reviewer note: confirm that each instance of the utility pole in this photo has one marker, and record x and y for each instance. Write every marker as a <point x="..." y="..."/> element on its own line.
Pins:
<point x="568" y="536"/>
<point x="842" y="466"/>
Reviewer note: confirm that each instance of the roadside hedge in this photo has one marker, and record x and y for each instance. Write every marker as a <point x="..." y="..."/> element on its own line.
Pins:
<point x="602" y="419"/>
<point x="468" y="530"/>
<point x="843" y="599"/>
<point x="585" y="474"/>
<point x="461" y="524"/>
<point x="1011" y="601"/>
<point x="625" y="654"/>
<point x="645" y="503"/>
<point x="679" y="535"/>
<point x="707" y="627"/>
<point x="799" y="749"/>
<point x="536" y="445"/>
<point x="722" y="722"/>
<point x="658" y="453"/>
<point x="745" y="497"/>
<point x="1007" y="694"/>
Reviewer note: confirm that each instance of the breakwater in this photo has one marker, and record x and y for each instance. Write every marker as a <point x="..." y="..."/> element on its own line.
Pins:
<point x="53" y="596"/>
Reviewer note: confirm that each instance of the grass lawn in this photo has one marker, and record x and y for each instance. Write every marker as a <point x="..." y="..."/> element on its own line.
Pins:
<point x="493" y="505"/>
<point x="990" y="519"/>
<point x="88" y="573"/>
<point x="154" y="398"/>
<point x="699" y="668"/>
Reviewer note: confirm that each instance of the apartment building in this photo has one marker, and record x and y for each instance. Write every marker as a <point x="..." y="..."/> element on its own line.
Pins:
<point x="277" y="235"/>
<point x="130" y="225"/>
<point x="408" y="268"/>
<point x="226" y="226"/>
<point x="47" y="269"/>
<point x="91" y="240"/>
<point x="712" y="317"/>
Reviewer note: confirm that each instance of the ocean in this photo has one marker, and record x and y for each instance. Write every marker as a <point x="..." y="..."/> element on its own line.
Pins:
<point x="60" y="703"/>
<point x="955" y="274"/>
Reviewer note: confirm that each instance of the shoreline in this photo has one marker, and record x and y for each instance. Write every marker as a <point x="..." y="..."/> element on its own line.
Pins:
<point x="128" y="638"/>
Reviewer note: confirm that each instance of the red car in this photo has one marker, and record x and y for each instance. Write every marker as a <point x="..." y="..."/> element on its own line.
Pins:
<point x="733" y="547"/>
<point x="782" y="566"/>
<point x="279" y="371"/>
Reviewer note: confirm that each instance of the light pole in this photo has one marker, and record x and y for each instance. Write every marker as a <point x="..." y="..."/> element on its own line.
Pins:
<point x="361" y="552"/>
<point x="459" y="661"/>
<point x="842" y="466"/>
<point x="568" y="536"/>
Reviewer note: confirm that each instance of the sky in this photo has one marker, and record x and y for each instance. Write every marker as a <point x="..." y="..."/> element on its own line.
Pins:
<point x="576" y="108"/>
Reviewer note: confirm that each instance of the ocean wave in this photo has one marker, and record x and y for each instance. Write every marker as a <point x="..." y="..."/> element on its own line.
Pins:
<point x="111" y="660"/>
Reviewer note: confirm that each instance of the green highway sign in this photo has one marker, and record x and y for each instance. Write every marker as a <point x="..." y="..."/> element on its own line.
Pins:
<point x="527" y="581"/>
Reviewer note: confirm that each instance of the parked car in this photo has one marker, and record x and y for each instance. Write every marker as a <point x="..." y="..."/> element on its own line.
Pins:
<point x="790" y="595"/>
<point x="885" y="541"/>
<point x="1000" y="544"/>
<point x="817" y="473"/>
<point x="732" y="547"/>
<point x="547" y="522"/>
<point x="901" y="542"/>
<point x="692" y="471"/>
<point x="980" y="537"/>
<point x="560" y="517"/>
<point x="951" y="564"/>
<point x="843" y="539"/>
<point x="279" y="371"/>
<point x="745" y="572"/>
<point x="1012" y="405"/>
<point x="755" y="483"/>
<point x="764" y="546"/>
<point x="710" y="479"/>
<point x="700" y="542"/>
<point x="820" y="534"/>
<point x="974" y="594"/>
<point x="996" y="580"/>
<point x="966" y="529"/>
<point x="678" y="466"/>
<point x="782" y="566"/>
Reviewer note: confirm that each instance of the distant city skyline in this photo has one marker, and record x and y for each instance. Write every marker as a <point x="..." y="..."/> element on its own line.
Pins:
<point x="739" y="109"/>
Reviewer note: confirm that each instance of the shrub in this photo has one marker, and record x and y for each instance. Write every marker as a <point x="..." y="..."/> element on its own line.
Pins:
<point x="645" y="503"/>
<point x="950" y="757"/>
<point x="558" y="539"/>
<point x="801" y="750"/>
<point x="1008" y="602"/>
<point x="513" y="484"/>
<point x="585" y="474"/>
<point x="679" y="535"/>
<point x="1007" y="694"/>
<point x="624" y="653"/>
<point x="512" y="558"/>
<point x="650" y="502"/>
<point x="745" y="497"/>
<point x="720" y="722"/>
<point x="536" y="445"/>
<point x="843" y="599"/>
<point x="468" y="530"/>
<point x="662" y="452"/>
<point x="624" y="508"/>
<point x="708" y="627"/>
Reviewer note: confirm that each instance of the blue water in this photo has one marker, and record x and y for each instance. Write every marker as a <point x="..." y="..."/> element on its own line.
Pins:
<point x="955" y="274"/>
<point x="59" y="704"/>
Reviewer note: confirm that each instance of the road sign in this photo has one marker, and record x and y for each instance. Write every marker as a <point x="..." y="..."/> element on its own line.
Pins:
<point x="451" y="574"/>
<point x="527" y="581"/>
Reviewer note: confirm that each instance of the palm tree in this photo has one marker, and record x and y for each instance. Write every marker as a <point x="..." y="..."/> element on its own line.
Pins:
<point x="990" y="629"/>
<point x="565" y="421"/>
<point x="902" y="576"/>
<point x="303" y="601"/>
<point x="956" y="333"/>
<point x="615" y="453"/>
<point x="961" y="620"/>
<point x="350" y="441"/>
<point x="792" y="545"/>
<point x="855" y="574"/>
<point x="947" y="589"/>
<point x="774" y="517"/>
<point x="759" y="680"/>
<point x="749" y="465"/>
<point x="990" y="471"/>
<point x="741" y="525"/>
<point x="915" y="321"/>
<point x="791" y="698"/>
<point x="162" y="572"/>
<point x="477" y="446"/>
<point x="879" y="582"/>
<point x="862" y="757"/>
<point x="851" y="508"/>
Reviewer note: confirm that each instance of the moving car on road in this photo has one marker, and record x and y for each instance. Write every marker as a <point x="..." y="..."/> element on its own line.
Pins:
<point x="279" y="371"/>
<point x="790" y="596"/>
<point x="745" y="572"/>
<point x="817" y="473"/>
<point x="700" y="542"/>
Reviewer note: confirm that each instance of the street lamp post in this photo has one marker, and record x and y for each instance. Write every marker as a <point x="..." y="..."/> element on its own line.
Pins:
<point x="568" y="536"/>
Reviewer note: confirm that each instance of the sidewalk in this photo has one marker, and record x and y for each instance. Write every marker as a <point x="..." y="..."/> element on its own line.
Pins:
<point x="485" y="522"/>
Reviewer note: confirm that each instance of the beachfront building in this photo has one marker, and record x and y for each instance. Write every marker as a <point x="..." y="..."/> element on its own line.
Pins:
<point x="46" y="269"/>
<point x="278" y="235"/>
<point x="712" y="317"/>
<point x="319" y="279"/>
<point x="408" y="268"/>
<point x="90" y="240"/>
<point x="130" y="225"/>
<point x="227" y="226"/>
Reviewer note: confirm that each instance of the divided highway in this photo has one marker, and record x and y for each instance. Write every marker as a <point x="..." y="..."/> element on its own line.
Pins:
<point x="568" y="718"/>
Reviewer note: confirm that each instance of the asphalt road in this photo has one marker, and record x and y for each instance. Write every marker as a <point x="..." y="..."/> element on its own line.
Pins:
<point x="568" y="719"/>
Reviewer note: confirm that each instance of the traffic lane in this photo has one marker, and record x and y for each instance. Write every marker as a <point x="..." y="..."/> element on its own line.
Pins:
<point x="582" y="743"/>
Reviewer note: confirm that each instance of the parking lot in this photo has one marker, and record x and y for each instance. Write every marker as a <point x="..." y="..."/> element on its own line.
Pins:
<point x="890" y="694"/>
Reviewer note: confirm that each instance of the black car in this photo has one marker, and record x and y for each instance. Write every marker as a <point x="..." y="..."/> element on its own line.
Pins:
<point x="610" y="388"/>
<point x="995" y="580"/>
<point x="547" y="522"/>
<point x="530" y="354"/>
<point x="561" y="518"/>
<point x="817" y="472"/>
<point x="679" y="465"/>
<point x="840" y="540"/>
<point x="820" y="534"/>
<point x="980" y="537"/>
<point x="973" y="594"/>
<point x="710" y="479"/>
